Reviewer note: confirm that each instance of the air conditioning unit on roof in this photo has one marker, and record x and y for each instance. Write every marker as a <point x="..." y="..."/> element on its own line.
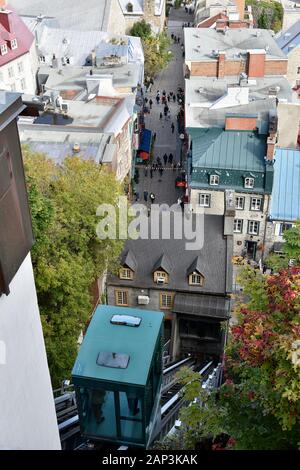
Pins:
<point x="160" y="280"/>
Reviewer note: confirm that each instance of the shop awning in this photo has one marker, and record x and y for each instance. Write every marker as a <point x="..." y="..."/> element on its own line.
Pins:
<point x="145" y="142"/>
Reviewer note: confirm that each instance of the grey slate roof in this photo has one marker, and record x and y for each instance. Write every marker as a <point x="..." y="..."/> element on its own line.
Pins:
<point x="230" y="150"/>
<point x="163" y="263"/>
<point x="204" y="305"/>
<point x="214" y="258"/>
<point x="233" y="43"/>
<point x="80" y="15"/>
<point x="195" y="266"/>
<point x="129" y="260"/>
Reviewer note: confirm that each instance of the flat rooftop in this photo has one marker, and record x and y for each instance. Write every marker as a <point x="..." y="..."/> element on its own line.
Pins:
<point x="208" y="99"/>
<point x="200" y="42"/>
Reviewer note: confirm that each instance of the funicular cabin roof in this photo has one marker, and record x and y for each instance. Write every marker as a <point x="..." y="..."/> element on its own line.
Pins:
<point x="136" y="342"/>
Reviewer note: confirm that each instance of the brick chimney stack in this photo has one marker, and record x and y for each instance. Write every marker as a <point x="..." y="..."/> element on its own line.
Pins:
<point x="6" y="20"/>
<point x="272" y="138"/>
<point x="256" y="62"/>
<point x="221" y="65"/>
<point x="240" y="4"/>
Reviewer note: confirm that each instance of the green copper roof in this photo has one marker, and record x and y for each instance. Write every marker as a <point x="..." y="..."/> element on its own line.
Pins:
<point x="230" y="150"/>
<point x="136" y="342"/>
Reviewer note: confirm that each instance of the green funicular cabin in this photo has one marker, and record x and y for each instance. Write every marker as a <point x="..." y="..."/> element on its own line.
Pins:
<point x="117" y="376"/>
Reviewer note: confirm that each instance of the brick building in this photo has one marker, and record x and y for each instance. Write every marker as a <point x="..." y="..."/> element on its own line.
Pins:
<point x="230" y="52"/>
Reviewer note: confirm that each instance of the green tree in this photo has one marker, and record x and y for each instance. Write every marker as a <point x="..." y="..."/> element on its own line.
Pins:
<point x="258" y="406"/>
<point x="141" y="29"/>
<point x="156" y="48"/>
<point x="67" y="256"/>
<point x="262" y="21"/>
<point x="291" y="249"/>
<point x="157" y="53"/>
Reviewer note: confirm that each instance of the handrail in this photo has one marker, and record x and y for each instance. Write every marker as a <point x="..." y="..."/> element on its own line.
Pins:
<point x="177" y="364"/>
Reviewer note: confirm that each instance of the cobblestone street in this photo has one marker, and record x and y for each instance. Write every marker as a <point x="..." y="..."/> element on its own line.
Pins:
<point x="167" y="142"/>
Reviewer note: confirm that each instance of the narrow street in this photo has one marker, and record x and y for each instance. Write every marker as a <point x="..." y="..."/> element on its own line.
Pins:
<point x="163" y="186"/>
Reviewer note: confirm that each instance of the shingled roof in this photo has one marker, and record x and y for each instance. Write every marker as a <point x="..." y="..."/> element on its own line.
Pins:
<point x="163" y="263"/>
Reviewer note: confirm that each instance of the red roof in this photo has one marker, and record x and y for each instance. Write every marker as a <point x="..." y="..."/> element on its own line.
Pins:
<point x="20" y="32"/>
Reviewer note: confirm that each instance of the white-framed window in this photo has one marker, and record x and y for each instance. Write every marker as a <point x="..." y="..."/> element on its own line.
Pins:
<point x="10" y="72"/>
<point x="23" y="84"/>
<point x="240" y="202"/>
<point x="42" y="59"/>
<point x="14" y="44"/>
<point x="238" y="225"/>
<point x="249" y="182"/>
<point x="13" y="87"/>
<point x="253" y="227"/>
<point x="214" y="180"/>
<point x="4" y="49"/>
<point x="283" y="227"/>
<point x="255" y="204"/>
<point x="125" y="273"/>
<point x="204" y="200"/>
<point x="195" y="279"/>
<point x="20" y="67"/>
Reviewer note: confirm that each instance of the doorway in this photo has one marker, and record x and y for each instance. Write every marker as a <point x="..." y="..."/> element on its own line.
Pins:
<point x="251" y="249"/>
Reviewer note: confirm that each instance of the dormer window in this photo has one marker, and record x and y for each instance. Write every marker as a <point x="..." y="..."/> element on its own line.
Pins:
<point x="214" y="180"/>
<point x="129" y="7"/>
<point x="14" y="44"/>
<point x="4" y="49"/>
<point x="160" y="277"/>
<point x="125" y="273"/>
<point x="196" y="279"/>
<point x="249" y="183"/>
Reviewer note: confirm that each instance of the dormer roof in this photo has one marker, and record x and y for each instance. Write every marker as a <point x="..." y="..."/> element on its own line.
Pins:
<point x="163" y="263"/>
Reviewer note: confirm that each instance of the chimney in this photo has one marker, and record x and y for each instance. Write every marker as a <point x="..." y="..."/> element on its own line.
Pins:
<point x="256" y="62"/>
<point x="221" y="65"/>
<point x="240" y="5"/>
<point x="271" y="141"/>
<point x="229" y="211"/>
<point x="6" y="20"/>
<point x="240" y="123"/>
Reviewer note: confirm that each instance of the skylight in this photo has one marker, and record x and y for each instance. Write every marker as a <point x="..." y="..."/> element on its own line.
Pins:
<point x="113" y="359"/>
<point x="126" y="320"/>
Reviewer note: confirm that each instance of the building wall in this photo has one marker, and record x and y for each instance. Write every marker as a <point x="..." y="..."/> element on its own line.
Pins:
<point x="290" y="17"/>
<point x="235" y="67"/>
<point x="293" y="66"/>
<point x="288" y="125"/>
<point x="157" y="22"/>
<point x="20" y="68"/>
<point x="275" y="67"/>
<point x="116" y="21"/>
<point x="217" y="207"/>
<point x="27" y="417"/>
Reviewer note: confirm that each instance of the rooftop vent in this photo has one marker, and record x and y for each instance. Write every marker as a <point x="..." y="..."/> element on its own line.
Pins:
<point x="76" y="148"/>
<point x="126" y="320"/>
<point x="113" y="359"/>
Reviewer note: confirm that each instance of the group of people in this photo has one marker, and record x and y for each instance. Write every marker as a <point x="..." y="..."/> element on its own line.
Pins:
<point x="176" y="39"/>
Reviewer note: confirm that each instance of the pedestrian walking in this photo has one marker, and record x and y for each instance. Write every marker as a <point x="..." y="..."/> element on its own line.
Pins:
<point x="168" y="98"/>
<point x="164" y="93"/>
<point x="163" y="100"/>
<point x="160" y="115"/>
<point x="152" y="197"/>
<point x="171" y="158"/>
<point x="172" y="36"/>
<point x="150" y="103"/>
<point x="165" y="157"/>
<point x="178" y="166"/>
<point x="137" y="196"/>
<point x="151" y="172"/>
<point x="186" y="9"/>
<point x="157" y="99"/>
<point x="154" y="136"/>
<point x="174" y="98"/>
<point x="174" y="166"/>
<point x="169" y="114"/>
<point x="171" y="94"/>
<point x="178" y="40"/>
<point x="146" y="100"/>
<point x="158" y="161"/>
<point x="146" y="196"/>
<point x="146" y="171"/>
<point x="172" y="127"/>
<point x="160" y="170"/>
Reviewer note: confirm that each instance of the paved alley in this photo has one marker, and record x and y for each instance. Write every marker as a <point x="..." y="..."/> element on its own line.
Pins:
<point x="163" y="186"/>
